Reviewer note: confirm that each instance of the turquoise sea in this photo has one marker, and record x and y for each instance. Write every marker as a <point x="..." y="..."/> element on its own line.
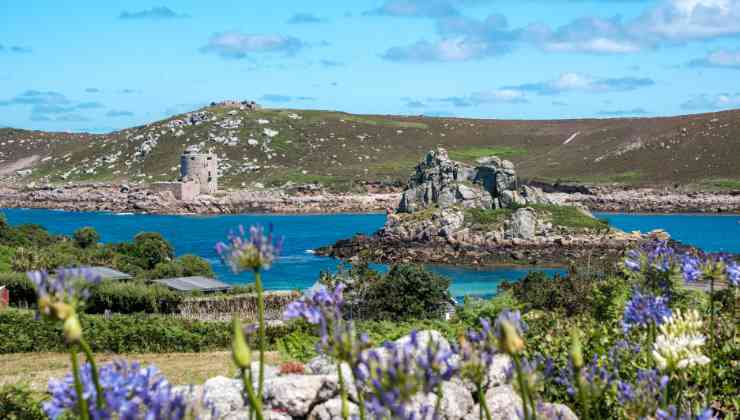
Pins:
<point x="298" y="268"/>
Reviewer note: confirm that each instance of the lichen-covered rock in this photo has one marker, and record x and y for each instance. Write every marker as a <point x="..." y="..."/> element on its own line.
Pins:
<point x="457" y="402"/>
<point x="503" y="403"/>
<point x="296" y="394"/>
<point x="523" y="224"/>
<point x="441" y="182"/>
<point x="332" y="410"/>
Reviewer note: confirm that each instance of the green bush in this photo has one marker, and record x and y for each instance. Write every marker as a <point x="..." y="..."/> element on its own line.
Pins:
<point x="151" y="248"/>
<point x="609" y="298"/>
<point x="86" y="237"/>
<point x="18" y="402"/>
<point x="139" y="333"/>
<point x="20" y="288"/>
<point x="6" y="258"/>
<point x="132" y="297"/>
<point x="571" y="293"/>
<point x="475" y="308"/>
<point x="185" y="266"/>
<point x="406" y="292"/>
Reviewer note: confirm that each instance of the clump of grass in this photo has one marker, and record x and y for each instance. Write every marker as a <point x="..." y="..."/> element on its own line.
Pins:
<point x="725" y="184"/>
<point x="486" y="218"/>
<point x="572" y="218"/>
<point x="473" y="153"/>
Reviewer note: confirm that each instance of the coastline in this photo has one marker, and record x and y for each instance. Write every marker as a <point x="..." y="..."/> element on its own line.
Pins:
<point x="120" y="198"/>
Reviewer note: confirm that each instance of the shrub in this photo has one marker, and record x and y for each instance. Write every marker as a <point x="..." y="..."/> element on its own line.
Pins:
<point x="86" y="237"/>
<point x="22" y="292"/>
<point x="406" y="292"/>
<point x="6" y="258"/>
<point x="151" y="248"/>
<point x="132" y="297"/>
<point x="185" y="266"/>
<point x="475" y="308"/>
<point x="609" y="298"/>
<point x="18" y="402"/>
<point x="571" y="294"/>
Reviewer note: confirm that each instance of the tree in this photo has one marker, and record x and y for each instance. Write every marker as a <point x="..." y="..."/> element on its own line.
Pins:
<point x="151" y="248"/>
<point x="86" y="237"/>
<point x="407" y="292"/>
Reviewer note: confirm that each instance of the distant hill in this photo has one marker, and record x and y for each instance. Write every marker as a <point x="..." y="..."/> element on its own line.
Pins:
<point x="339" y="150"/>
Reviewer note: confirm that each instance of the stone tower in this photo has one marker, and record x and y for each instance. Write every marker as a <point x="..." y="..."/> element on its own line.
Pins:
<point x="201" y="168"/>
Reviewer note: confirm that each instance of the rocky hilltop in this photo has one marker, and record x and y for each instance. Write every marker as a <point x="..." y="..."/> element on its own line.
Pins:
<point x="451" y="212"/>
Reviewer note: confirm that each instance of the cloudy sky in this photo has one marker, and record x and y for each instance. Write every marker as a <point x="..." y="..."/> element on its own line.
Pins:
<point x="88" y="65"/>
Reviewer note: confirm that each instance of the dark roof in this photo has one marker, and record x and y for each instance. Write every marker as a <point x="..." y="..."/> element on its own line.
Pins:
<point x="190" y="284"/>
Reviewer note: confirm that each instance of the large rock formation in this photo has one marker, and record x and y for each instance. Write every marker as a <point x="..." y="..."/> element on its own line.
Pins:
<point x="441" y="182"/>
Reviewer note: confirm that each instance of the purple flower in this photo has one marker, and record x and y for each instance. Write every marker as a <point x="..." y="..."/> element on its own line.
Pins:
<point x="732" y="270"/>
<point x="643" y="310"/>
<point x="652" y="256"/>
<point x="130" y="392"/>
<point x="65" y="285"/>
<point x="256" y="252"/>
<point x="671" y="413"/>
<point x="691" y="268"/>
<point x="512" y="317"/>
<point x="640" y="399"/>
<point x="393" y="375"/>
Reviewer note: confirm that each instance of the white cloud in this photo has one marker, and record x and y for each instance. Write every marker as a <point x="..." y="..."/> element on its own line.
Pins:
<point x="712" y="102"/>
<point x="719" y="58"/>
<point x="578" y="82"/>
<point x="235" y="44"/>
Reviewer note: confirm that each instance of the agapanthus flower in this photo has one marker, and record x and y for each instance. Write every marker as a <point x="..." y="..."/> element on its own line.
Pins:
<point x="59" y="294"/>
<point x="691" y="268"/>
<point x="131" y="392"/>
<point x="640" y="399"/>
<point x="718" y="266"/>
<point x="680" y="342"/>
<point x="594" y="377"/>
<point x="398" y="372"/>
<point x="476" y="351"/>
<point x="643" y="310"/>
<point x="653" y="255"/>
<point x="732" y="269"/>
<point x="256" y="252"/>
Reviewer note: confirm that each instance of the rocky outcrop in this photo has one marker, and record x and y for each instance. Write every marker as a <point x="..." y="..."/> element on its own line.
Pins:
<point x="316" y="396"/>
<point x="441" y="182"/>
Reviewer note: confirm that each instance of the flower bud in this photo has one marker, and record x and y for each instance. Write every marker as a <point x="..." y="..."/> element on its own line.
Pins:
<point x="72" y="330"/>
<point x="44" y="305"/>
<point x="62" y="311"/>
<point x="511" y="342"/>
<point x="239" y="348"/>
<point x="576" y="351"/>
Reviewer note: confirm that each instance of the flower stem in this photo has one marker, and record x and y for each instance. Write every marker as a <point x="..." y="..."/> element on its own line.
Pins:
<point x="261" y="332"/>
<point x="522" y="388"/>
<point x="360" y="395"/>
<point x="81" y="403"/>
<point x="438" y="404"/>
<point x="483" y="404"/>
<point x="343" y="392"/>
<point x="712" y="342"/>
<point x="100" y="400"/>
<point x="254" y="403"/>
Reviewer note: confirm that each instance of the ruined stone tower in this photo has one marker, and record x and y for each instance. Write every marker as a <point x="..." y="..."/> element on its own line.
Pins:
<point x="201" y="168"/>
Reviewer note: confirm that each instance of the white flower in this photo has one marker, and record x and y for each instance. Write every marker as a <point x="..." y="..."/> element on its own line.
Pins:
<point x="680" y="343"/>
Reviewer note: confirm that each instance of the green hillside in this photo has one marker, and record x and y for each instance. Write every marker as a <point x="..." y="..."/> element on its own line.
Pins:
<point x="340" y="151"/>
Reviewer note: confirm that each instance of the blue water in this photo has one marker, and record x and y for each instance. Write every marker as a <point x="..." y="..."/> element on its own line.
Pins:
<point x="297" y="268"/>
<point x="712" y="233"/>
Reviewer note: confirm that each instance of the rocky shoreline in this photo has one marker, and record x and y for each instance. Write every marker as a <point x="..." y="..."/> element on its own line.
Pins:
<point x="139" y="199"/>
<point x="120" y="198"/>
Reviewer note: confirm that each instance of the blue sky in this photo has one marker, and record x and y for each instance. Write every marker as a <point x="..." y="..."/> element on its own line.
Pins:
<point x="93" y="66"/>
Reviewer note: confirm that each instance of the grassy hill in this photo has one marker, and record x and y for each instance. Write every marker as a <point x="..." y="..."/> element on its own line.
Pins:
<point x="339" y="150"/>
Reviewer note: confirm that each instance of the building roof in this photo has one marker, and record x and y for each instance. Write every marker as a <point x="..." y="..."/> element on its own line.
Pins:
<point x="107" y="273"/>
<point x="191" y="284"/>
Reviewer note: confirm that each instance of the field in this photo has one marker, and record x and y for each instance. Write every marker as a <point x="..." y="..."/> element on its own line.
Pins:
<point x="341" y="151"/>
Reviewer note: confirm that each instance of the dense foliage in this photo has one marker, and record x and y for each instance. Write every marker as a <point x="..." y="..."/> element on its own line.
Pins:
<point x="86" y="237"/>
<point x="17" y="402"/>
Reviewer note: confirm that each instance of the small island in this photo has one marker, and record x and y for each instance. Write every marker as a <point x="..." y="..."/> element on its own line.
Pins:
<point x="453" y="213"/>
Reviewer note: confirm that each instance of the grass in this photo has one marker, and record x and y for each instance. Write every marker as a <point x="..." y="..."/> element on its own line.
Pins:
<point x="473" y="153"/>
<point x="628" y="177"/>
<point x="725" y="184"/>
<point x="384" y="123"/>
<point x="572" y="218"/>
<point x="487" y="219"/>
<point x="35" y="369"/>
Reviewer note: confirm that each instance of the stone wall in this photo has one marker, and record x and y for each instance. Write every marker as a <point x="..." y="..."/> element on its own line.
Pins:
<point x="183" y="191"/>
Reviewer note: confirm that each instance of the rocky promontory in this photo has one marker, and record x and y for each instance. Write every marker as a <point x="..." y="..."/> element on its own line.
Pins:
<point x="459" y="214"/>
